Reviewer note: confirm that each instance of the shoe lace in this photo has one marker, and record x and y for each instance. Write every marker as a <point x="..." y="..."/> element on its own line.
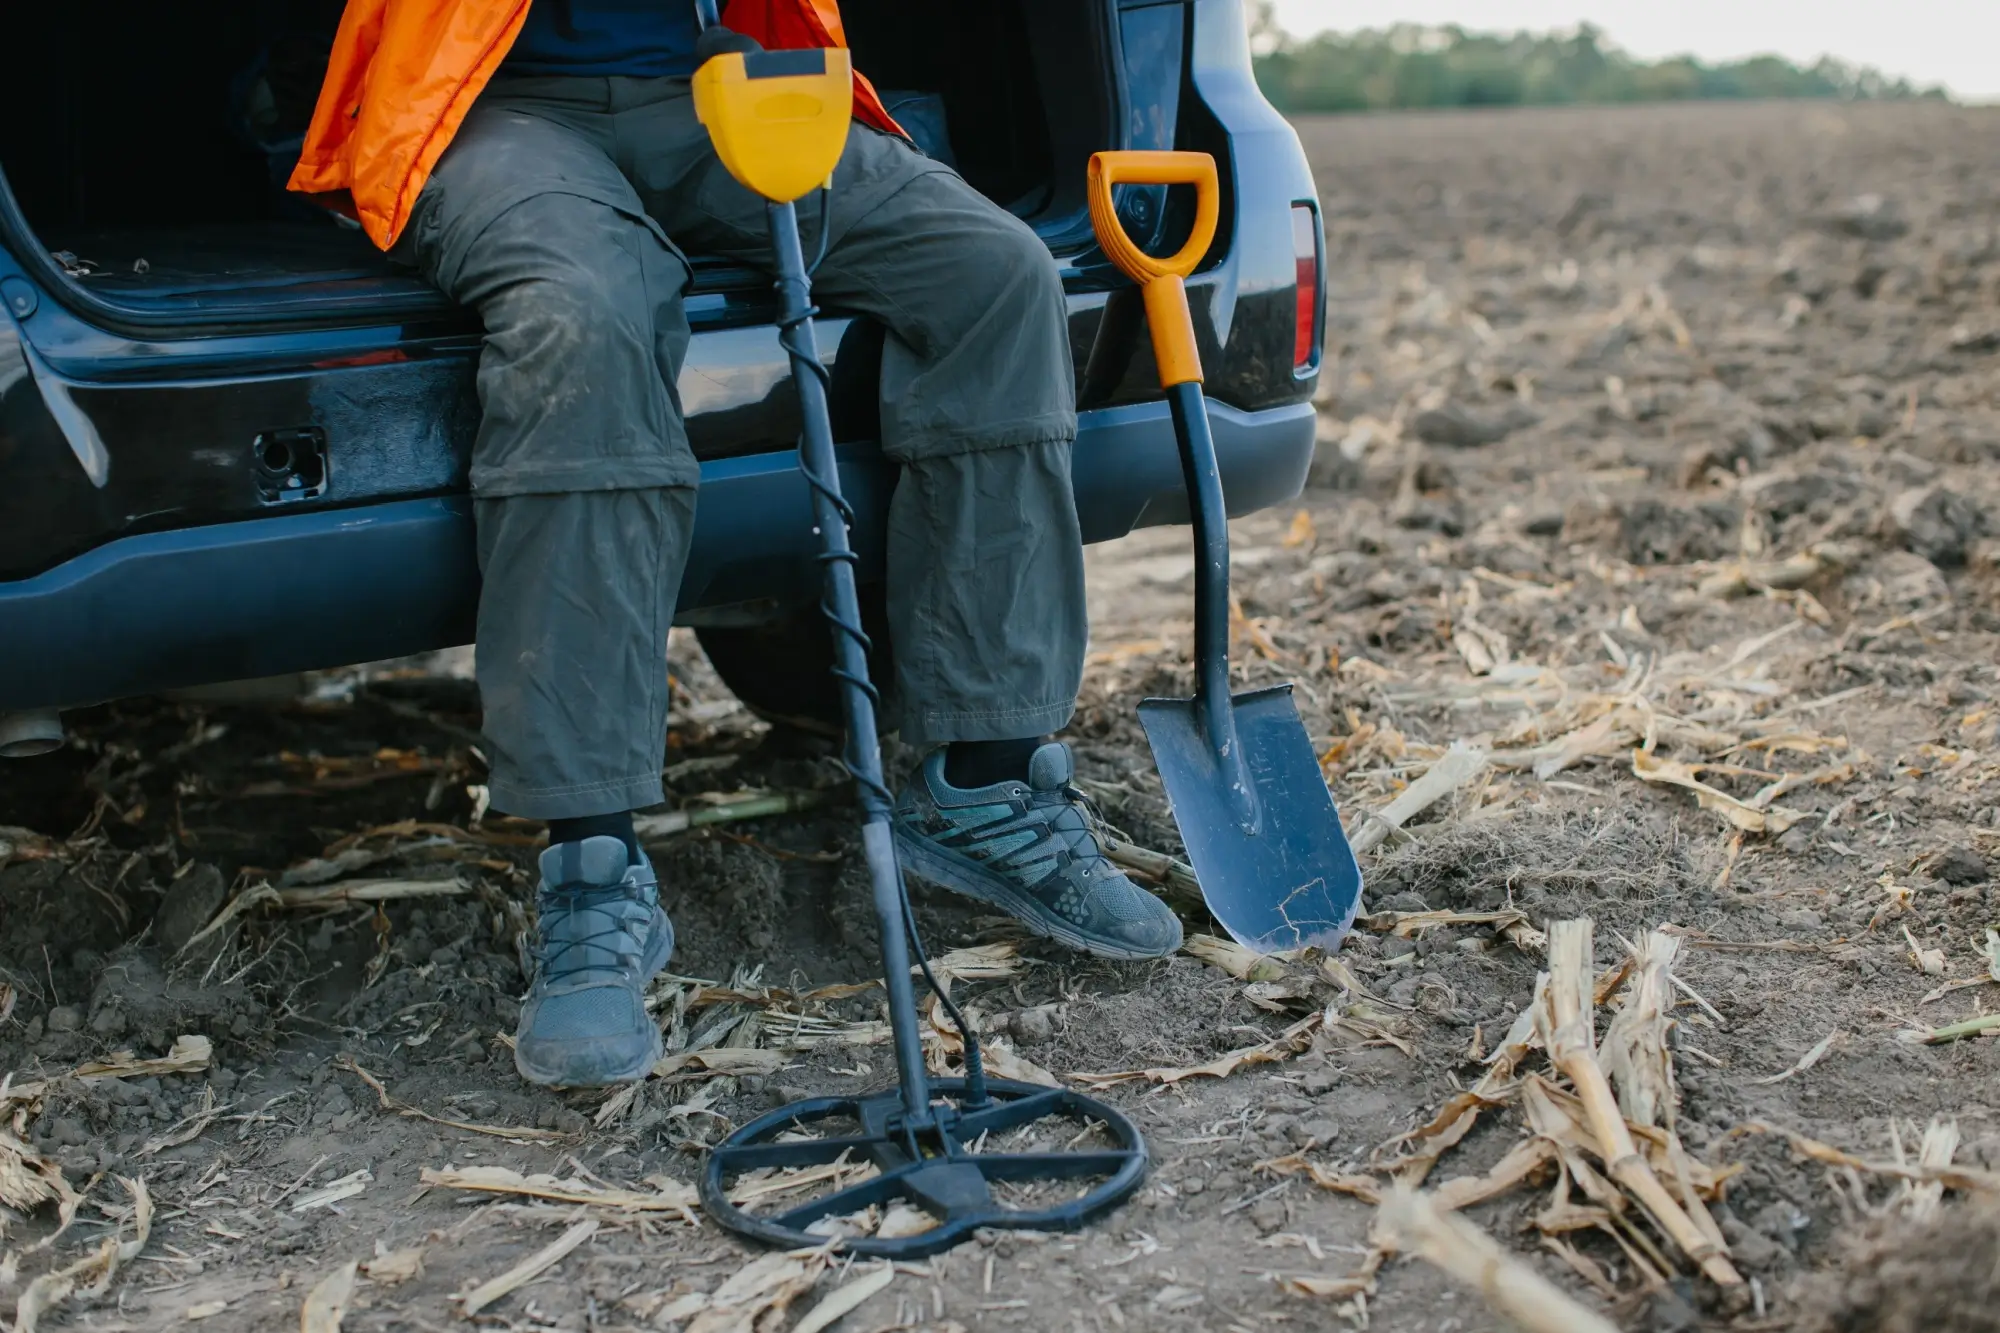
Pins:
<point x="1085" y="831"/>
<point x="569" y="952"/>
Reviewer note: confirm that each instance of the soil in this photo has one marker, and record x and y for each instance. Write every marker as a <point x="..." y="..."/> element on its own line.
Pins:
<point x="1937" y="1275"/>
<point x="1593" y="378"/>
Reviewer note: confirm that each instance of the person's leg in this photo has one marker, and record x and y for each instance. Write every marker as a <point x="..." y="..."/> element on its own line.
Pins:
<point x="582" y="478"/>
<point x="986" y="594"/>
<point x="986" y="598"/>
<point x="985" y="557"/>
<point x="978" y="406"/>
<point x="584" y="503"/>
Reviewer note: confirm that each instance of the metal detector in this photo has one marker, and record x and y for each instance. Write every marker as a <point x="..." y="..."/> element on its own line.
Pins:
<point x="779" y="120"/>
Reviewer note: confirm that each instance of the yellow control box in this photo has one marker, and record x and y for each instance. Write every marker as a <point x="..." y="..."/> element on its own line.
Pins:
<point x="778" y="119"/>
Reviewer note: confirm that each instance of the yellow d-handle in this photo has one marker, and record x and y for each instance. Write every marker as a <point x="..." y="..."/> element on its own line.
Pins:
<point x="1160" y="279"/>
<point x="778" y="119"/>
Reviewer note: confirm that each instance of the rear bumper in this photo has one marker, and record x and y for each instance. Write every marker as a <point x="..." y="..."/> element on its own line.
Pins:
<point x="295" y="592"/>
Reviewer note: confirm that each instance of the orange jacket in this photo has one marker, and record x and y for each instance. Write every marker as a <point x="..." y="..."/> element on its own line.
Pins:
<point x="404" y="74"/>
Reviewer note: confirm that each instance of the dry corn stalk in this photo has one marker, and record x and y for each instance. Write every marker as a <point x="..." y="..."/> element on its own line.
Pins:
<point x="943" y="1045"/>
<point x="371" y="891"/>
<point x="1456" y="1117"/>
<point x="326" y="1304"/>
<point x="389" y="1267"/>
<point x="757" y="1296"/>
<point x="719" y="1060"/>
<point x="1558" y="1114"/>
<point x="1523" y="1161"/>
<point x="720" y="809"/>
<point x="1803" y="1063"/>
<point x="1744" y="816"/>
<point x="1971" y="1179"/>
<point x="1229" y="956"/>
<point x="1634" y="1053"/>
<point x="1284" y="1046"/>
<point x="1408" y="925"/>
<point x="844" y="1299"/>
<point x="1636" y="1057"/>
<point x="1920" y="1200"/>
<point x="1458" y="766"/>
<point x="1742" y="577"/>
<point x="667" y="1196"/>
<point x="1930" y="962"/>
<point x="1412" y="1222"/>
<point x="91" y="1274"/>
<point x="1174" y="879"/>
<point x="24" y="844"/>
<point x="516" y="1133"/>
<point x="1565" y="1019"/>
<point x="28" y="1179"/>
<point x="528" y="1269"/>
<point x="190" y="1054"/>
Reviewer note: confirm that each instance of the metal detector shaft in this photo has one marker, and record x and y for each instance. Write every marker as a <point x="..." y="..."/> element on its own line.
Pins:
<point x="843" y="609"/>
<point x="1211" y="595"/>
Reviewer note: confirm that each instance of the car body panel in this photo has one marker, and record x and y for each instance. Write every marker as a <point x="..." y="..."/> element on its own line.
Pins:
<point x="308" y="588"/>
<point x="103" y="587"/>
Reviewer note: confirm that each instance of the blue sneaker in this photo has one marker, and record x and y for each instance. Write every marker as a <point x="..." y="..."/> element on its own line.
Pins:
<point x="601" y="936"/>
<point x="1030" y="849"/>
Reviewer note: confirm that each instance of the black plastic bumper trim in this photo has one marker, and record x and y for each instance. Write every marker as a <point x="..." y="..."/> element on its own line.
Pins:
<point x="294" y="592"/>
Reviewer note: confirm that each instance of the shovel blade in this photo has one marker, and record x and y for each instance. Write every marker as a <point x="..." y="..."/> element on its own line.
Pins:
<point x="1294" y="881"/>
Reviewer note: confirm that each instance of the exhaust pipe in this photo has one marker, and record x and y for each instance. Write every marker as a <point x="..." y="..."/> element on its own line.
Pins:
<point x="24" y="735"/>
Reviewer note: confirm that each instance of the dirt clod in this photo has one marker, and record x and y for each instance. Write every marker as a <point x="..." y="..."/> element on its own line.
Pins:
<point x="190" y="903"/>
<point x="1459" y="427"/>
<point x="1869" y="217"/>
<point x="1960" y="865"/>
<point x="1938" y="524"/>
<point x="1944" y="1274"/>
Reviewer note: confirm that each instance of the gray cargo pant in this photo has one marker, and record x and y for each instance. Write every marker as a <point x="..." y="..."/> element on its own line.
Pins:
<point x="555" y="214"/>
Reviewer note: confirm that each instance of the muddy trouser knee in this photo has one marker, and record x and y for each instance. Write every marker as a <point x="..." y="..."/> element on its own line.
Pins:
<point x="985" y="558"/>
<point x="985" y="586"/>
<point x="985" y="597"/>
<point x="582" y="479"/>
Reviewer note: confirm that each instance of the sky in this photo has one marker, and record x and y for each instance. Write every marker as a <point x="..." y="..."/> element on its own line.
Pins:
<point x="1952" y="42"/>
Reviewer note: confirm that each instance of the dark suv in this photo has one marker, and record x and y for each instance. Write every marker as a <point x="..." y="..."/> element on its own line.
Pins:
<point x="234" y="437"/>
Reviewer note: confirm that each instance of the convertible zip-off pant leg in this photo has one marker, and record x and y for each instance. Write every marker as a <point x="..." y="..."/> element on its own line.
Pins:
<point x="558" y="214"/>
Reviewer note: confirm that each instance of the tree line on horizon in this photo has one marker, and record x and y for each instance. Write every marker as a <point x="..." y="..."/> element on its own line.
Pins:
<point x="1411" y="66"/>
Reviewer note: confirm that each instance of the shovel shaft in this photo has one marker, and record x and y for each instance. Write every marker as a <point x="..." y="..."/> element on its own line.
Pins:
<point x="1211" y="597"/>
<point x="843" y="612"/>
<point x="1179" y="363"/>
<point x="1211" y="539"/>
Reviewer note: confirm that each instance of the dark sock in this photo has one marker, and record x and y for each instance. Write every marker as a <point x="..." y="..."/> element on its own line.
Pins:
<point x="983" y="763"/>
<point x="617" y="826"/>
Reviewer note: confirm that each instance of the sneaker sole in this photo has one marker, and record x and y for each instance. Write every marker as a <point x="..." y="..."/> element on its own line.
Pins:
<point x="968" y="878"/>
<point x="655" y="959"/>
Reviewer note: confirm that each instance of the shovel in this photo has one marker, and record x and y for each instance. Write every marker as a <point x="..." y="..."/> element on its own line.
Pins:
<point x="1245" y="785"/>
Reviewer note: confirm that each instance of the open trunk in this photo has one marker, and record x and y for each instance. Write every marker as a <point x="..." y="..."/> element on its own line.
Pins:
<point x="145" y="147"/>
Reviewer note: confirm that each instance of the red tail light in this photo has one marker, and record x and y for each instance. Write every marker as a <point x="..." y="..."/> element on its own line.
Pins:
<point x="1305" y="253"/>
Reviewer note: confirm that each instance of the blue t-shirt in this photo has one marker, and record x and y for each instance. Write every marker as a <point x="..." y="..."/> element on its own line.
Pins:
<point x="648" y="38"/>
